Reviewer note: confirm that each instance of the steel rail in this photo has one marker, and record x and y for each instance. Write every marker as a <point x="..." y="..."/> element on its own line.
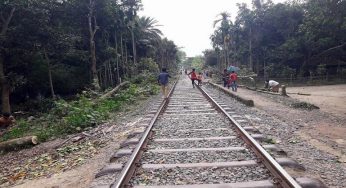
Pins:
<point x="131" y="165"/>
<point x="282" y="178"/>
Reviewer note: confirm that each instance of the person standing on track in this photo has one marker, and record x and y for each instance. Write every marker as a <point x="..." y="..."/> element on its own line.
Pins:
<point x="192" y="75"/>
<point x="200" y="78"/>
<point x="233" y="80"/>
<point x="163" y="81"/>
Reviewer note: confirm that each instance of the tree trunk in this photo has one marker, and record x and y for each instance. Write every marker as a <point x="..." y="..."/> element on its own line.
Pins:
<point x="49" y="74"/>
<point x="92" y="31"/>
<point x="250" y="50"/>
<point x="110" y="68"/>
<point x="113" y="90"/>
<point x="133" y="46"/>
<point x="117" y="58"/>
<point x="105" y="77"/>
<point x="5" y="87"/>
<point x="122" y="54"/>
<point x="128" y="73"/>
<point x="18" y="142"/>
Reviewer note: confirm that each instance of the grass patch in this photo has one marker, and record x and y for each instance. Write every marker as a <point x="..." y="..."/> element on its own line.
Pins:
<point x="68" y="117"/>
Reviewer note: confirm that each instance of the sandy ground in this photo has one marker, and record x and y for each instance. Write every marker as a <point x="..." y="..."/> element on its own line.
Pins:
<point x="331" y="98"/>
<point x="324" y="129"/>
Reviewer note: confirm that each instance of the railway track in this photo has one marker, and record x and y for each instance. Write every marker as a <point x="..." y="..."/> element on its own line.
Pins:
<point x="195" y="140"/>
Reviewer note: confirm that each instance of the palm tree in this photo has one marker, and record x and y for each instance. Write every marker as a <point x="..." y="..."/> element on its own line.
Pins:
<point x="149" y="36"/>
<point x="148" y="28"/>
<point x="223" y="30"/>
<point x="224" y="21"/>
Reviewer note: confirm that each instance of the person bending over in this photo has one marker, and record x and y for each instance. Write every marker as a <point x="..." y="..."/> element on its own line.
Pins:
<point x="272" y="85"/>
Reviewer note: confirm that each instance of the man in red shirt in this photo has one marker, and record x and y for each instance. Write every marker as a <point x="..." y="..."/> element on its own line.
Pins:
<point x="233" y="78"/>
<point x="192" y="75"/>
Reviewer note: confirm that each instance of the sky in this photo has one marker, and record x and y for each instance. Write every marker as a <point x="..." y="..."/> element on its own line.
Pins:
<point x="189" y="23"/>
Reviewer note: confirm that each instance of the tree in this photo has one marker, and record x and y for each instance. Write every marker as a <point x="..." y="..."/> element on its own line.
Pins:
<point x="130" y="8"/>
<point x="92" y="22"/>
<point x="223" y="30"/>
<point x="5" y="86"/>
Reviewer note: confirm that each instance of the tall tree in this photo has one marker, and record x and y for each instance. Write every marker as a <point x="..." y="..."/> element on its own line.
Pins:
<point x="224" y="32"/>
<point x="92" y="23"/>
<point x="5" y="86"/>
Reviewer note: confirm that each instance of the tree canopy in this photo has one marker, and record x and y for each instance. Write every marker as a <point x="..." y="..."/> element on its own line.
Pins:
<point x="59" y="47"/>
<point x="295" y="37"/>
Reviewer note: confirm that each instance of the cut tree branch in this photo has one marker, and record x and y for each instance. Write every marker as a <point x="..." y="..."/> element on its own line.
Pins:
<point x="108" y="94"/>
<point x="18" y="143"/>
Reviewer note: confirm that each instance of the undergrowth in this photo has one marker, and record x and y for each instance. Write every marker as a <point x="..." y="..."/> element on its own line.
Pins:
<point x="67" y="117"/>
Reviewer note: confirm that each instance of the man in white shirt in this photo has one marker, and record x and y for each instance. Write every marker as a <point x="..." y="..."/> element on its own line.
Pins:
<point x="273" y="85"/>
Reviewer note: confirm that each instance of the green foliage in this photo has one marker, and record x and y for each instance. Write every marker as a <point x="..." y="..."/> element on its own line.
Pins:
<point x="278" y="70"/>
<point x="197" y="63"/>
<point x="66" y="117"/>
<point x="282" y="39"/>
<point x="194" y="62"/>
<point x="305" y="105"/>
<point x="145" y="80"/>
<point x="50" y="35"/>
<point x="149" y="65"/>
<point x="321" y="69"/>
<point x="21" y="128"/>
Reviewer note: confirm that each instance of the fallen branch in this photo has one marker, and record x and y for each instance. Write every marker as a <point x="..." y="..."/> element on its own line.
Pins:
<point x="108" y="94"/>
<point x="18" y="142"/>
<point x="307" y="94"/>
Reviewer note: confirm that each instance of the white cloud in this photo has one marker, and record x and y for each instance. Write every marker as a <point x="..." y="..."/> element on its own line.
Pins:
<point x="189" y="23"/>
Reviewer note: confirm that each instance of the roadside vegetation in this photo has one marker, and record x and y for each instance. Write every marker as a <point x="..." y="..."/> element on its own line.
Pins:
<point x="295" y="42"/>
<point x="57" y="118"/>
<point x="58" y="57"/>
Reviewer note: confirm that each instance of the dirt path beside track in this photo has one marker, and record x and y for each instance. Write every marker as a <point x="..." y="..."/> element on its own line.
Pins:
<point x="331" y="98"/>
<point x="324" y="129"/>
<point x="315" y="138"/>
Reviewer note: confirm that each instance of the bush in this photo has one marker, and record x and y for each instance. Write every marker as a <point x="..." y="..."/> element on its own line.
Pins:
<point x="62" y="117"/>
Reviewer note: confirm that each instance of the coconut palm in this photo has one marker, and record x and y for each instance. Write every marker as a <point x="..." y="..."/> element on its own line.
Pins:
<point x="148" y="35"/>
<point x="223" y="32"/>
<point x="148" y="28"/>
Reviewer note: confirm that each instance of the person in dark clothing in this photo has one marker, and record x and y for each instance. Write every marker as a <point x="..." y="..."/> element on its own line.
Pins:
<point x="225" y="78"/>
<point x="193" y="76"/>
<point x="163" y="81"/>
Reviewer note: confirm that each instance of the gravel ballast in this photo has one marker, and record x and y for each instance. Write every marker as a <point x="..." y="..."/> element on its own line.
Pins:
<point x="196" y="144"/>
<point x="180" y="176"/>
<point x="285" y="129"/>
<point x="194" y="133"/>
<point x="197" y="157"/>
